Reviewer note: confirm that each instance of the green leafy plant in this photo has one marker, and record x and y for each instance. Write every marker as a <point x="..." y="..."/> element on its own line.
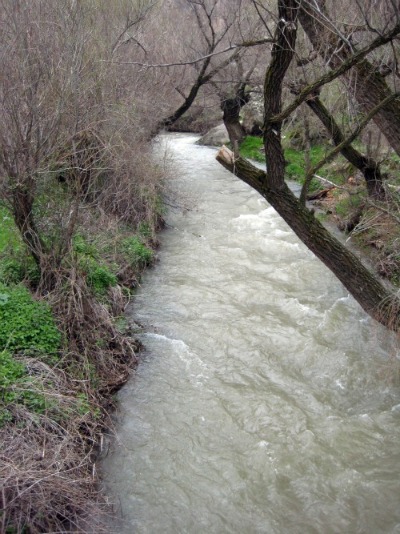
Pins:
<point x="26" y="325"/>
<point x="145" y="230"/>
<point x="136" y="252"/>
<point x="10" y="372"/>
<point x="252" y="148"/>
<point x="98" y="275"/>
<point x="349" y="204"/>
<point x="16" y="267"/>
<point x="84" y="247"/>
<point x="8" y="232"/>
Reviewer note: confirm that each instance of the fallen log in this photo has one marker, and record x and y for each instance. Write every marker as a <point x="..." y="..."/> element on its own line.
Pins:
<point x="317" y="195"/>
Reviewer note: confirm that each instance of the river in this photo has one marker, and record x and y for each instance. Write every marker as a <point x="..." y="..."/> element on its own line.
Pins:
<point x="266" y="401"/>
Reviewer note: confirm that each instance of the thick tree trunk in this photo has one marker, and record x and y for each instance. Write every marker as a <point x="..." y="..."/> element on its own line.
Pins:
<point x="281" y="57"/>
<point x="231" y="116"/>
<point x="24" y="219"/>
<point x="23" y="216"/>
<point x="370" y="88"/>
<point x="369" y="292"/>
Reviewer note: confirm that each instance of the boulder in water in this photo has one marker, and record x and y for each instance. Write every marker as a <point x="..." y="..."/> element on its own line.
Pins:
<point x="217" y="136"/>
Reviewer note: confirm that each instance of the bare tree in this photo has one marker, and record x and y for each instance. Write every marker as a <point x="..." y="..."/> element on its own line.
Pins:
<point x="62" y="126"/>
<point x="40" y="106"/>
<point x="213" y="41"/>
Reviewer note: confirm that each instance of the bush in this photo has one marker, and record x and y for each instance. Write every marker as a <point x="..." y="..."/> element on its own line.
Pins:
<point x="137" y="253"/>
<point x="253" y="148"/>
<point x="347" y="205"/>
<point x="9" y="235"/>
<point x="99" y="276"/>
<point x="10" y="372"/>
<point x="26" y="325"/>
<point x="17" y="267"/>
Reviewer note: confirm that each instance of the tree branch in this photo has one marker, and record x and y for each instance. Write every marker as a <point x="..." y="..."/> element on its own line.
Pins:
<point x="346" y="142"/>
<point x="332" y="75"/>
<point x="245" y="44"/>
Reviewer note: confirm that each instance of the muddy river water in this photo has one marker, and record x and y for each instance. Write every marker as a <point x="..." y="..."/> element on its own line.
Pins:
<point x="266" y="401"/>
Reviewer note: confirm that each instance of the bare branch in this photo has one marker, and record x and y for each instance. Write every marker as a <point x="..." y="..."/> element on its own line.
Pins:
<point x="129" y="24"/>
<point x="245" y="44"/>
<point x="346" y="142"/>
<point x="342" y="69"/>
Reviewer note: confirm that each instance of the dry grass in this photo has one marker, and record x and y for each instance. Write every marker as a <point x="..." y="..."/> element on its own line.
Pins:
<point x="48" y="483"/>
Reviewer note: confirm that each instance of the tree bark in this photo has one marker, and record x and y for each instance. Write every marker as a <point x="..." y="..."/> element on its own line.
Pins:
<point x="202" y="78"/>
<point x="231" y="116"/>
<point x="281" y="57"/>
<point x="171" y="119"/>
<point x="23" y="215"/>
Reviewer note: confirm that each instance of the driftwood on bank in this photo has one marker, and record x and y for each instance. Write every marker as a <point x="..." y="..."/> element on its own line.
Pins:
<point x="317" y="195"/>
<point x="328" y="186"/>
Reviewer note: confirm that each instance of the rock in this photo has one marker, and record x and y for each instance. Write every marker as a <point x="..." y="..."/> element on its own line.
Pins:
<point x="217" y="136"/>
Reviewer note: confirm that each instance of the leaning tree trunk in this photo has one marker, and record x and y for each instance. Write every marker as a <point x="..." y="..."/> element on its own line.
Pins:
<point x="374" y="298"/>
<point x="370" y="88"/>
<point x="366" y="165"/>
<point x="369" y="292"/>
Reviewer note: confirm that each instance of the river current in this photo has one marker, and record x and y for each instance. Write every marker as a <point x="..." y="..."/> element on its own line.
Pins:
<point x="266" y="401"/>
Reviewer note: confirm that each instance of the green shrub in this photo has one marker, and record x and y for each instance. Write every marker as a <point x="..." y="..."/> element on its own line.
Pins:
<point x="349" y="204"/>
<point x="82" y="246"/>
<point x="16" y="264"/>
<point x="145" y="230"/>
<point x="10" y="372"/>
<point x="295" y="167"/>
<point x="252" y="148"/>
<point x="9" y="234"/>
<point x="17" y="267"/>
<point x="99" y="277"/>
<point x="26" y="325"/>
<point x="136" y="252"/>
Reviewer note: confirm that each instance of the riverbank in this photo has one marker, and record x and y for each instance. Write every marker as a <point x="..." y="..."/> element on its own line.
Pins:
<point x="60" y="377"/>
<point x="63" y="355"/>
